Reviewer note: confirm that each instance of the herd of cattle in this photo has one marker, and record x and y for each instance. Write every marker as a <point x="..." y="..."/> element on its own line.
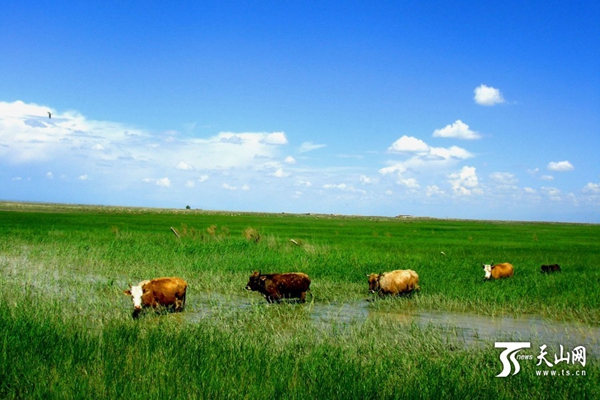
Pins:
<point x="170" y="293"/>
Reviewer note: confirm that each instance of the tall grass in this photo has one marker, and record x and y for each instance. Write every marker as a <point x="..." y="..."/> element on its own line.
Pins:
<point x="67" y="330"/>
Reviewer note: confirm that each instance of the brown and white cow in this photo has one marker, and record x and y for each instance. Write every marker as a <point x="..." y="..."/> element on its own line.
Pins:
<point x="274" y="287"/>
<point x="400" y="281"/>
<point x="551" y="268"/>
<point x="158" y="293"/>
<point x="498" y="271"/>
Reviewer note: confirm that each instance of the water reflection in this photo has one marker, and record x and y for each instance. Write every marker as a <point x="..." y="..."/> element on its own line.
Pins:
<point x="471" y="329"/>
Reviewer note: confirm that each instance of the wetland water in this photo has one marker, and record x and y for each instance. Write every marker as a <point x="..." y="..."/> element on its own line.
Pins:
<point x="472" y="330"/>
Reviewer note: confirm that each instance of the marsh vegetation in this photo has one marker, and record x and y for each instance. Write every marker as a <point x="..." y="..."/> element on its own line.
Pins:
<point x="68" y="332"/>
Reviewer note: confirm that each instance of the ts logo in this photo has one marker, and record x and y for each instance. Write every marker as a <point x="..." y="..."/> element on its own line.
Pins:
<point x="512" y="348"/>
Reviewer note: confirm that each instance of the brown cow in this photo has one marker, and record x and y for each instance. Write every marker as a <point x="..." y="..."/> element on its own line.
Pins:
<point x="497" y="271"/>
<point x="159" y="293"/>
<point x="274" y="287"/>
<point x="551" y="268"/>
<point x="400" y="281"/>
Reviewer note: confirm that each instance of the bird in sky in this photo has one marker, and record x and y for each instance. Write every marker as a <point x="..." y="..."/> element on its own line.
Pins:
<point x="49" y="114"/>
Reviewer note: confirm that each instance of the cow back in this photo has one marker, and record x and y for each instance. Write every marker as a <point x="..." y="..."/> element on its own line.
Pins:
<point x="503" y="270"/>
<point x="164" y="291"/>
<point x="398" y="281"/>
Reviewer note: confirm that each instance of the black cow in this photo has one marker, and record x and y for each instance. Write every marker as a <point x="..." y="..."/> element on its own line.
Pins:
<point x="274" y="287"/>
<point x="550" y="268"/>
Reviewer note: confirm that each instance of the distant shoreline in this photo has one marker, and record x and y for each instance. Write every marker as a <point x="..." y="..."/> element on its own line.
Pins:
<point x="33" y="206"/>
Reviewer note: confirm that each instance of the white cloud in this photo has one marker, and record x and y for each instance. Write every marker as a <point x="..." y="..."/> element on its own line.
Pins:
<point x="529" y="190"/>
<point x="182" y="165"/>
<point x="83" y="177"/>
<point x="309" y="146"/>
<point x="409" y="144"/>
<point x="592" y="188"/>
<point x="503" y="178"/>
<point x="190" y="184"/>
<point x="396" y="168"/>
<point x="304" y="183"/>
<point x="487" y="96"/>
<point x="420" y="149"/>
<point x="552" y="192"/>
<point x="560" y="166"/>
<point x="233" y="188"/>
<point x="280" y="173"/>
<point x="423" y="159"/>
<point x="49" y="175"/>
<point x="365" y="180"/>
<point x="203" y="178"/>
<point x="163" y="182"/>
<point x="289" y="160"/>
<point x="343" y="187"/>
<point x="275" y="138"/>
<point x="465" y="182"/>
<point x="399" y="171"/>
<point x="69" y="139"/>
<point x="458" y="130"/>
<point x="547" y="177"/>
<point x="434" y="190"/>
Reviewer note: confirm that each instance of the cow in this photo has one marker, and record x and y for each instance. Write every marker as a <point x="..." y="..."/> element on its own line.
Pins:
<point x="400" y="281"/>
<point x="551" y="268"/>
<point x="159" y="294"/>
<point x="497" y="271"/>
<point x="274" y="287"/>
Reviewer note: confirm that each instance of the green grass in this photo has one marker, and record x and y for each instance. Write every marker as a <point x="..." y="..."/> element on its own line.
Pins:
<point x="68" y="333"/>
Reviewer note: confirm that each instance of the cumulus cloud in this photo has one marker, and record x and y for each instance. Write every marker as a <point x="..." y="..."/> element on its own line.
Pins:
<point x="227" y="186"/>
<point x="309" y="146"/>
<point x="280" y="173"/>
<point x="552" y="192"/>
<point x="71" y="141"/>
<point x="182" y="165"/>
<point x="465" y="182"/>
<point x="421" y="158"/>
<point x="434" y="190"/>
<point x="275" y="138"/>
<point x="560" y="166"/>
<point x="289" y="160"/>
<point x="409" y="144"/>
<point x="418" y="148"/>
<point x="164" y="182"/>
<point x="343" y="187"/>
<point x="503" y="178"/>
<point x="592" y="188"/>
<point x="487" y="95"/>
<point x="458" y="130"/>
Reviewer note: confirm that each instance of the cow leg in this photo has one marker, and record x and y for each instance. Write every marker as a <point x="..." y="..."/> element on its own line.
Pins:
<point x="303" y="297"/>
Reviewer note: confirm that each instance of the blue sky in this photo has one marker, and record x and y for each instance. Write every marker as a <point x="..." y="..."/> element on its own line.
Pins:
<point x="444" y="109"/>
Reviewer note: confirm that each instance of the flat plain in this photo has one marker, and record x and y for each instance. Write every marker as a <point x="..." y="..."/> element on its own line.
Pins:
<point x="68" y="332"/>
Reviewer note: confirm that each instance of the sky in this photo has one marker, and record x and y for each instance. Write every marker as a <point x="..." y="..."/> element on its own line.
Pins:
<point x="464" y="109"/>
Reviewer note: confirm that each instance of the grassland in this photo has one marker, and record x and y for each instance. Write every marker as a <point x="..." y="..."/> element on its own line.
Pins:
<point x="68" y="333"/>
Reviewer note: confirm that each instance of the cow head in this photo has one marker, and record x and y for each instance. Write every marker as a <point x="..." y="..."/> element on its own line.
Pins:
<point x="256" y="281"/>
<point x="136" y="293"/>
<point x="374" y="282"/>
<point x="487" y="268"/>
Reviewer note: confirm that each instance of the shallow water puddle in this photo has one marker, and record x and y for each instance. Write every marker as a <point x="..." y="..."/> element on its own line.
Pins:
<point x="479" y="329"/>
<point x="471" y="329"/>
